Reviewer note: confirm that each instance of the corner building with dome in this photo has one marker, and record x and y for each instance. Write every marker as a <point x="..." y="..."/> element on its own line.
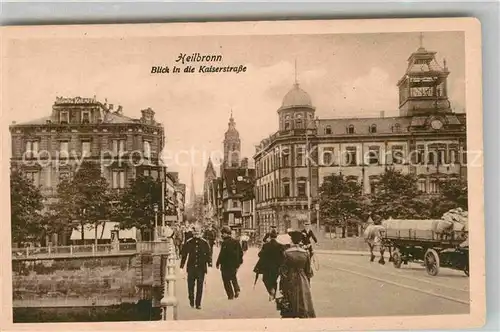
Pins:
<point x="427" y="138"/>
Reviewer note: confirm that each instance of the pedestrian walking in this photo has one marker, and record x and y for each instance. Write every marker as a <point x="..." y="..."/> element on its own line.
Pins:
<point x="295" y="274"/>
<point x="307" y="236"/>
<point x="229" y="260"/>
<point x="178" y="240"/>
<point x="210" y="235"/>
<point x="267" y="237"/>
<point x="197" y="257"/>
<point x="270" y="260"/>
<point x="244" y="242"/>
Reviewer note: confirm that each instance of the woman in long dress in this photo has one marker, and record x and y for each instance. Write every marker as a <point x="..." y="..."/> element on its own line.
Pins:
<point x="295" y="275"/>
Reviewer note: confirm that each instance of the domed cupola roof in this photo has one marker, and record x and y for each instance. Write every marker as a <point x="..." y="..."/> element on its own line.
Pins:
<point x="296" y="97"/>
<point x="231" y="130"/>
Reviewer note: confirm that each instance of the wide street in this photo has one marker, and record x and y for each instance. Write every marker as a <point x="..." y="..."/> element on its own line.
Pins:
<point x="343" y="286"/>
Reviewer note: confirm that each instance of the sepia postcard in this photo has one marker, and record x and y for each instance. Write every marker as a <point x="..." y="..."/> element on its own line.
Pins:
<point x="240" y="175"/>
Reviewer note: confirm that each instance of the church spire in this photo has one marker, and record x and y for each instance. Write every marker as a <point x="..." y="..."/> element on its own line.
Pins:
<point x="192" y="193"/>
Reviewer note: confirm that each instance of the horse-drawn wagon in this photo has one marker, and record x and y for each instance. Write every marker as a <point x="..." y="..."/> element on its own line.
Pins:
<point x="437" y="243"/>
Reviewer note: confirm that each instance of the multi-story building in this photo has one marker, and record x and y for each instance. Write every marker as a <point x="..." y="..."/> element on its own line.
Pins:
<point x="427" y="138"/>
<point x="180" y="196"/>
<point x="226" y="195"/>
<point x="50" y="148"/>
<point x="171" y="183"/>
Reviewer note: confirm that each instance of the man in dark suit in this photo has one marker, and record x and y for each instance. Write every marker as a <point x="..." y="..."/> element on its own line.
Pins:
<point x="229" y="260"/>
<point x="270" y="259"/>
<point x="197" y="253"/>
<point x="268" y="234"/>
<point x="210" y="235"/>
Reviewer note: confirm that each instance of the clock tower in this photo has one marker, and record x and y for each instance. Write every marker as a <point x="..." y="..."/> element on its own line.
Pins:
<point x="422" y="89"/>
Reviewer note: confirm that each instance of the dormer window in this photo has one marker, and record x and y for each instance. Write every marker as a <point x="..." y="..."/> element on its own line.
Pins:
<point x="64" y="117"/>
<point x="396" y="128"/>
<point x="85" y="117"/>
<point x="328" y="130"/>
<point x="373" y="129"/>
<point x="350" y="129"/>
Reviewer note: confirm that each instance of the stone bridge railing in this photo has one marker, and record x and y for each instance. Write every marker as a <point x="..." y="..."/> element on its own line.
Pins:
<point x="90" y="250"/>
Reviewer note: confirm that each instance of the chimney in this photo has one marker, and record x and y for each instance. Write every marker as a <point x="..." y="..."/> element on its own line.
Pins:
<point x="382" y="114"/>
<point x="119" y="110"/>
<point x="111" y="107"/>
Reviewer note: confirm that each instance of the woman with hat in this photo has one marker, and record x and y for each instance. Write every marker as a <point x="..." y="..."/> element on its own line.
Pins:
<point x="295" y="273"/>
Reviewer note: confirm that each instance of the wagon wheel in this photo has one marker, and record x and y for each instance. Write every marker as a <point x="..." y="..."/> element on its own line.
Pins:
<point x="431" y="261"/>
<point x="396" y="258"/>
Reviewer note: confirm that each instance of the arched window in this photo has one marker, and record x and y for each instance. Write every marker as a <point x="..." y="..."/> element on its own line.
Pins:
<point x="373" y="128"/>
<point x="287" y="125"/>
<point x="350" y="129"/>
<point x="328" y="130"/>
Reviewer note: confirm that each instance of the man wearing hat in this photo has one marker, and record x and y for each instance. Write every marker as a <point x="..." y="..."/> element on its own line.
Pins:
<point x="307" y="235"/>
<point x="267" y="237"/>
<point x="229" y="260"/>
<point x="196" y="256"/>
<point x="210" y="235"/>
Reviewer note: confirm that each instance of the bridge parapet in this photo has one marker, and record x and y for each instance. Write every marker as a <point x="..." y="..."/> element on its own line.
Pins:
<point x="91" y="250"/>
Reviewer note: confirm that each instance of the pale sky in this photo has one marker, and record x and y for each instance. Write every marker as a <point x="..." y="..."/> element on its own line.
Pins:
<point x="345" y="75"/>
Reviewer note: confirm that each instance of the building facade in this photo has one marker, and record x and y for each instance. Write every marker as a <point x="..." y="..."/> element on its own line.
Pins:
<point x="427" y="139"/>
<point x="50" y="149"/>
<point x="180" y="196"/>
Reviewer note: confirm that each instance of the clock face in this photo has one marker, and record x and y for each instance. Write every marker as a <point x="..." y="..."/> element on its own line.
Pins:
<point x="436" y="124"/>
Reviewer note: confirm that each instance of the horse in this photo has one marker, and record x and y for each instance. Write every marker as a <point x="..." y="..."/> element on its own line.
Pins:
<point x="373" y="236"/>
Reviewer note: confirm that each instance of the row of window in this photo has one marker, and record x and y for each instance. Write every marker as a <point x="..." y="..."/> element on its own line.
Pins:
<point x="118" y="178"/>
<point x="270" y="190"/>
<point x="372" y="129"/>
<point x="65" y="119"/>
<point x="435" y="154"/>
<point x="32" y="148"/>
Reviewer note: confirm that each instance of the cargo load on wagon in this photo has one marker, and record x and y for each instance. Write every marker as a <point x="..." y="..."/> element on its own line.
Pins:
<point x="436" y="242"/>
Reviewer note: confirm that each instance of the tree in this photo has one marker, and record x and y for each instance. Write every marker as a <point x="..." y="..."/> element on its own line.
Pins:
<point x="341" y="201"/>
<point x="455" y="191"/>
<point x="136" y="206"/>
<point x="26" y="206"/>
<point x="397" y="196"/>
<point x="85" y="198"/>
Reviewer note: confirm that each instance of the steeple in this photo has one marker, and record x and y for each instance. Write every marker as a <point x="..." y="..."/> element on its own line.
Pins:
<point x="210" y="170"/>
<point x="192" y="193"/>
<point x="232" y="144"/>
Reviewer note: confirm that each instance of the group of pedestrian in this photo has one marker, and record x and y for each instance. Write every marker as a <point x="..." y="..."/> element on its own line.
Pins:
<point x="197" y="255"/>
<point x="285" y="268"/>
<point x="291" y="264"/>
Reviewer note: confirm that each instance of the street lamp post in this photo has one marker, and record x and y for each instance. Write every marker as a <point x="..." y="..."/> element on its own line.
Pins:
<point x="317" y="216"/>
<point x="308" y="166"/>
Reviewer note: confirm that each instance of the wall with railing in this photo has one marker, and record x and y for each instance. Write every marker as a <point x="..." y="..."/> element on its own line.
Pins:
<point x="90" y="250"/>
